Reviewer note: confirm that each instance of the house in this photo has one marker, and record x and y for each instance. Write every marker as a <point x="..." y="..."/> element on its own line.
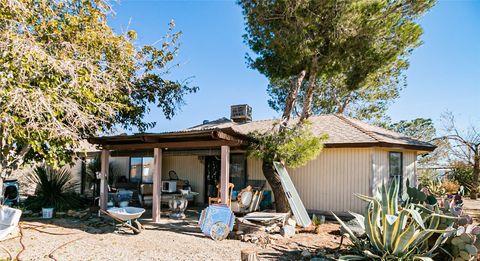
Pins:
<point x="357" y="158"/>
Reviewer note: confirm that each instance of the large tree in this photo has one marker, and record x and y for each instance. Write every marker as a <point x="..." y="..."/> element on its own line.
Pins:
<point x="465" y="147"/>
<point x="66" y="75"/>
<point x="310" y="43"/>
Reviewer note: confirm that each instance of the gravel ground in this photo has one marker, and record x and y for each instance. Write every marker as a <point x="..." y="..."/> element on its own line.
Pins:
<point x="73" y="239"/>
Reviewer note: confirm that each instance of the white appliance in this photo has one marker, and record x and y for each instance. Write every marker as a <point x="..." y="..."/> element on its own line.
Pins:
<point x="169" y="186"/>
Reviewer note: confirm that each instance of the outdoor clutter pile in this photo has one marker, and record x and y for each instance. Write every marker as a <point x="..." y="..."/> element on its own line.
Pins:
<point x="263" y="227"/>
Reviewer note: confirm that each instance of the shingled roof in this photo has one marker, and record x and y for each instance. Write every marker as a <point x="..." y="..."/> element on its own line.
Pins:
<point x="342" y="132"/>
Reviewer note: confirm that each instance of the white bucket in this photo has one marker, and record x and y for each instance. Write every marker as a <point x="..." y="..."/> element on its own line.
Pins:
<point x="47" y="213"/>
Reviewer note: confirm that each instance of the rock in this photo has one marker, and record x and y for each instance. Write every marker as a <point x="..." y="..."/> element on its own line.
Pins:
<point x="71" y="213"/>
<point x="291" y="222"/>
<point x="306" y="253"/>
<point x="287" y="231"/>
<point x="254" y="239"/>
<point x="357" y="230"/>
<point x="272" y="228"/>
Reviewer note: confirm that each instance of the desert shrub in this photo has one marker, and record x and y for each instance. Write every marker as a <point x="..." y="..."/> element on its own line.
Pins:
<point x="450" y="186"/>
<point x="55" y="188"/>
<point x="463" y="175"/>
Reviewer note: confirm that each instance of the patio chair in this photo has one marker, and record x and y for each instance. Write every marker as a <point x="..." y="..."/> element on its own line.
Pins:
<point x="218" y="199"/>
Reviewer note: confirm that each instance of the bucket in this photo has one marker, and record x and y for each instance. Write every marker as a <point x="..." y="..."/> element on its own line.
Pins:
<point x="47" y="213"/>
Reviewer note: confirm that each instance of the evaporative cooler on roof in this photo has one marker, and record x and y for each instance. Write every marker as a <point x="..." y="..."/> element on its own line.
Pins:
<point x="241" y="113"/>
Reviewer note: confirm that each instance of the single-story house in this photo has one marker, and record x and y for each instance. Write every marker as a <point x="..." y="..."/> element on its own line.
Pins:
<point x="357" y="158"/>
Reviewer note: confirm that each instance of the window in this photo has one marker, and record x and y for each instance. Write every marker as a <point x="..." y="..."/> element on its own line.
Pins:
<point x="141" y="170"/>
<point x="238" y="173"/>
<point x="396" y="167"/>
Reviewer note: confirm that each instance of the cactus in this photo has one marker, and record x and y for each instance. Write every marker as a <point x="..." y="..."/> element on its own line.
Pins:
<point x="464" y="245"/>
<point x="418" y="195"/>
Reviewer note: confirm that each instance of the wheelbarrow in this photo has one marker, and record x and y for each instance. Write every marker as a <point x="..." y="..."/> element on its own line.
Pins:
<point x="127" y="216"/>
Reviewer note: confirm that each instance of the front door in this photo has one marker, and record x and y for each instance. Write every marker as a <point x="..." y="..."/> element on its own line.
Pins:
<point x="212" y="176"/>
<point x="238" y="173"/>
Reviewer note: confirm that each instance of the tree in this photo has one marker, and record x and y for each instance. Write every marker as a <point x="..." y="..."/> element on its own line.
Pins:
<point x="295" y="146"/>
<point x="424" y="130"/>
<point x="370" y="102"/>
<point x="465" y="147"/>
<point x="307" y="42"/>
<point x="66" y="75"/>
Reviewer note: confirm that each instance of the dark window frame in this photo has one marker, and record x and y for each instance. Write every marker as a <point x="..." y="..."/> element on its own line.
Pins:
<point x="390" y="153"/>
<point x="141" y="164"/>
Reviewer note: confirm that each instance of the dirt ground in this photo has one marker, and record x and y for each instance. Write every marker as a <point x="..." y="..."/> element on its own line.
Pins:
<point x="98" y="239"/>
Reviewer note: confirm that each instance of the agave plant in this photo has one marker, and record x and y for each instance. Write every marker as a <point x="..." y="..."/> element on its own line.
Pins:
<point x="55" y="188"/>
<point x="395" y="232"/>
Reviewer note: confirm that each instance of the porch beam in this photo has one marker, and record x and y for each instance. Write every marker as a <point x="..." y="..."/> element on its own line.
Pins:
<point x="157" y="184"/>
<point x="104" y="163"/>
<point x="172" y="145"/>
<point x="224" y="136"/>
<point x="224" y="173"/>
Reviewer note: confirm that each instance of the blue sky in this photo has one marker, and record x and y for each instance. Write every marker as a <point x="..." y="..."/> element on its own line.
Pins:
<point x="444" y="72"/>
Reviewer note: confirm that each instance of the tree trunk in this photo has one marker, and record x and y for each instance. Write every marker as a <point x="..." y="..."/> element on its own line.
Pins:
<point x="476" y="175"/>
<point x="1" y="191"/>
<point x="281" y="202"/>
<point x="307" y="104"/>
<point x="292" y="95"/>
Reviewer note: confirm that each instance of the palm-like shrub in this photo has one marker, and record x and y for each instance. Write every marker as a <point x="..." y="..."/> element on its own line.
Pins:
<point x="55" y="188"/>
<point x="396" y="233"/>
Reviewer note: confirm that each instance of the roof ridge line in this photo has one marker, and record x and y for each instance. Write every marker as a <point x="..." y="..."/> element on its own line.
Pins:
<point x="368" y="133"/>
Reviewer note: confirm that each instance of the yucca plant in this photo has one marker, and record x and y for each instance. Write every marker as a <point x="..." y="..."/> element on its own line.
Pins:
<point x="55" y="188"/>
<point x="396" y="233"/>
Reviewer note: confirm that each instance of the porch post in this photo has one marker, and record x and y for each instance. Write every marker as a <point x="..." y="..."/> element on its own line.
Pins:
<point x="225" y="173"/>
<point x="104" y="160"/>
<point x="157" y="184"/>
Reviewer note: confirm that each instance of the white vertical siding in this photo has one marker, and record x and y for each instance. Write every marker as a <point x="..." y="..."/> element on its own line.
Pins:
<point x="381" y="166"/>
<point x="329" y="182"/>
<point x="188" y="168"/>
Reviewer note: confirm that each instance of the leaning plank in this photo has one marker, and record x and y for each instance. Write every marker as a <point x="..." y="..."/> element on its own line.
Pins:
<point x="296" y="204"/>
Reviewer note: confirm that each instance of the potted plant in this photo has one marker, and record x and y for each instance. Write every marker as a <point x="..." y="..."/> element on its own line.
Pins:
<point x="55" y="191"/>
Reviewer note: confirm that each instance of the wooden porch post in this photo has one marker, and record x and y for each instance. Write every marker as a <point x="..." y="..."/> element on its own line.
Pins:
<point x="157" y="184"/>
<point x="104" y="160"/>
<point x="225" y="173"/>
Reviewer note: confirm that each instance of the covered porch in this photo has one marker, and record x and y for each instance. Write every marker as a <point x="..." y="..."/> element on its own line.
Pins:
<point x="164" y="145"/>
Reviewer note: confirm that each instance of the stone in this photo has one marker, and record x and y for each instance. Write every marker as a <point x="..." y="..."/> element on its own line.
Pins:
<point x="306" y="253"/>
<point x="291" y="222"/>
<point x="272" y="228"/>
<point x="287" y="231"/>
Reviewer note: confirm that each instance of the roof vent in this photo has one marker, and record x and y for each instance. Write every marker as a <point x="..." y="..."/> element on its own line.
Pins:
<point x="241" y="113"/>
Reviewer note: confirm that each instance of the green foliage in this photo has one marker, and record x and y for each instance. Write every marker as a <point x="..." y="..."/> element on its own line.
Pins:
<point x="294" y="145"/>
<point x="318" y="220"/>
<point x="55" y="188"/>
<point x="463" y="174"/>
<point x="396" y="233"/>
<point x="420" y="195"/>
<point x="424" y="130"/>
<point x="343" y="46"/>
<point x="65" y="75"/>
<point x="464" y="245"/>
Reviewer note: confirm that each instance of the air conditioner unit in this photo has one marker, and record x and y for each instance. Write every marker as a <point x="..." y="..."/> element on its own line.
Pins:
<point x="241" y="113"/>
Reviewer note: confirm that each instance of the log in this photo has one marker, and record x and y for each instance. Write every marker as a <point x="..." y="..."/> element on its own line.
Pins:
<point x="249" y="254"/>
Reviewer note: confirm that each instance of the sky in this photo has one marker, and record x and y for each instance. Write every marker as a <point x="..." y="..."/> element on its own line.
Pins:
<point x="444" y="72"/>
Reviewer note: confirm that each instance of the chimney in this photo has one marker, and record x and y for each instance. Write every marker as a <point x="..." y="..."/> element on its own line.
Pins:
<point x="241" y="113"/>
